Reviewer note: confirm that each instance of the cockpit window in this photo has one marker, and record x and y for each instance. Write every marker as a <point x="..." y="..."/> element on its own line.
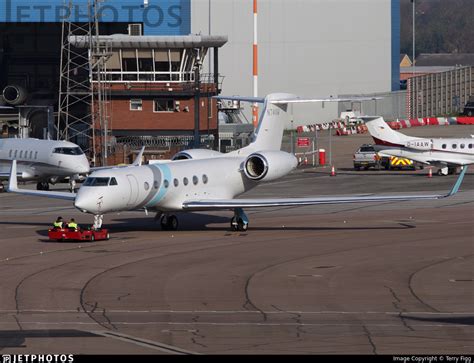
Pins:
<point x="68" y="150"/>
<point x="97" y="182"/>
<point x="113" y="181"/>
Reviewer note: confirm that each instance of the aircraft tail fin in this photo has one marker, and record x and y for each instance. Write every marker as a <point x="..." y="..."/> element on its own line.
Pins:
<point x="383" y="134"/>
<point x="274" y="116"/>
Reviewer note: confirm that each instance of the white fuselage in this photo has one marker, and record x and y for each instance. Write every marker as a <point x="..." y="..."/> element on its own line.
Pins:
<point x="457" y="151"/>
<point x="165" y="186"/>
<point x="42" y="159"/>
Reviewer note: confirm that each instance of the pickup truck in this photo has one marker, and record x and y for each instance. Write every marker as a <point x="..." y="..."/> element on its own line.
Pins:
<point x="366" y="157"/>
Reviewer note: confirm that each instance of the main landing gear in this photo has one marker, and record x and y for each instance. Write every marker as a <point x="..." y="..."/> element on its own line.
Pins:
<point x="239" y="221"/>
<point x="42" y="186"/>
<point x="168" y="222"/>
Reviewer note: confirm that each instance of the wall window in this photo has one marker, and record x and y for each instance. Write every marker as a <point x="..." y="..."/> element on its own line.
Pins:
<point x="163" y="105"/>
<point x="136" y="104"/>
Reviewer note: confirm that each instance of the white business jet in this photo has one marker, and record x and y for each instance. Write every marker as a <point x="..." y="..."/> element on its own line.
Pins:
<point x="197" y="180"/>
<point x="45" y="161"/>
<point x="444" y="153"/>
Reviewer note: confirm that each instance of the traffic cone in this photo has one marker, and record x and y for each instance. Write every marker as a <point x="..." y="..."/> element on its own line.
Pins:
<point x="305" y="161"/>
<point x="333" y="171"/>
<point x="430" y="173"/>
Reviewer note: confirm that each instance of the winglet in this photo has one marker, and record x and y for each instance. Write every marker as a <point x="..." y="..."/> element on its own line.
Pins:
<point x="138" y="159"/>
<point x="456" y="186"/>
<point x="13" y="181"/>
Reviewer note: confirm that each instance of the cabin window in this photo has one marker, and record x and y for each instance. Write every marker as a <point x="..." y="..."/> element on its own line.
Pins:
<point x="146" y="185"/>
<point x="96" y="182"/>
<point x="155" y="184"/>
<point x="16" y="153"/>
<point x="21" y="154"/>
<point x="470" y="146"/>
<point x="36" y="154"/>
<point x="113" y="181"/>
<point x="205" y="179"/>
<point x="10" y="154"/>
<point x="455" y="146"/>
<point x="444" y="146"/>
<point x="176" y="182"/>
<point x="462" y="146"/>
<point x="195" y="180"/>
<point x="136" y="105"/>
<point x="31" y="154"/>
<point x="166" y="183"/>
<point x="185" y="181"/>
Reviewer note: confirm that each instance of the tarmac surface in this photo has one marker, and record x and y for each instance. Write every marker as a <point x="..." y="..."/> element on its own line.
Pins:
<point x="383" y="278"/>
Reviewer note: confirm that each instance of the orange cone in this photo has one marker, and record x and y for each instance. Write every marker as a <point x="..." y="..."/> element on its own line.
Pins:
<point x="305" y="161"/>
<point x="333" y="171"/>
<point x="430" y="173"/>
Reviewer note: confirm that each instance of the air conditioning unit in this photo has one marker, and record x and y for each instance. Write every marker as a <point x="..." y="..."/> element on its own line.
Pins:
<point x="135" y="29"/>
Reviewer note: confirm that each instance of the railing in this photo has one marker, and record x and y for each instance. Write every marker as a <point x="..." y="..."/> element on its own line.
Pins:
<point x="153" y="77"/>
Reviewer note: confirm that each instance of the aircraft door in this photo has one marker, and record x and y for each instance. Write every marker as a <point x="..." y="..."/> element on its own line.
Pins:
<point x="132" y="180"/>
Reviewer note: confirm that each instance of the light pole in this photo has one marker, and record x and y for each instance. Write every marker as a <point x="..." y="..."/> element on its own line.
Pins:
<point x="413" y="39"/>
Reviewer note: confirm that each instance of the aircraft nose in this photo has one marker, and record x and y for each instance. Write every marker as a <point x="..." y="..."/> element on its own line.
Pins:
<point x="81" y="204"/>
<point x="83" y="166"/>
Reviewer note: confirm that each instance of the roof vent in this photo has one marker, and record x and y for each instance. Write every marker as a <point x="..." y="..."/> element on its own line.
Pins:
<point x="135" y="29"/>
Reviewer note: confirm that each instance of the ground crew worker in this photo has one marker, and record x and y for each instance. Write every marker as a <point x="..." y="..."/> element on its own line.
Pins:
<point x="58" y="223"/>
<point x="72" y="224"/>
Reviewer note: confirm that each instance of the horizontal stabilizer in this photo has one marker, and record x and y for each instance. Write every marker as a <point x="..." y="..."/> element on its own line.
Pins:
<point x="242" y="99"/>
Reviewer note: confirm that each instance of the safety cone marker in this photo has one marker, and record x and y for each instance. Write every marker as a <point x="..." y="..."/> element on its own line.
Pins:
<point x="333" y="171"/>
<point x="430" y="173"/>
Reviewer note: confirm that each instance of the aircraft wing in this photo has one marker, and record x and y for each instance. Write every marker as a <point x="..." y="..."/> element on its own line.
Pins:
<point x="13" y="188"/>
<point x="212" y="204"/>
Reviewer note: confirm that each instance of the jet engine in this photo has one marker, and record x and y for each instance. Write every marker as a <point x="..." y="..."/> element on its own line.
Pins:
<point x="420" y="144"/>
<point x="14" y="95"/>
<point x="195" y="154"/>
<point x="269" y="165"/>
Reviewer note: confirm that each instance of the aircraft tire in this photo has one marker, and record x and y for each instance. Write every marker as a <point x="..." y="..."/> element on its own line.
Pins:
<point x="241" y="225"/>
<point x="233" y="224"/>
<point x="172" y="223"/>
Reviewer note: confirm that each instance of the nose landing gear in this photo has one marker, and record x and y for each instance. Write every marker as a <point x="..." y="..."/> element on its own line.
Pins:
<point x="98" y="219"/>
<point x="42" y="186"/>
<point x="239" y="221"/>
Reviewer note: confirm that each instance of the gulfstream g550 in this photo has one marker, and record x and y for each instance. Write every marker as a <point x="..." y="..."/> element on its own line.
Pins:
<point x="207" y="180"/>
